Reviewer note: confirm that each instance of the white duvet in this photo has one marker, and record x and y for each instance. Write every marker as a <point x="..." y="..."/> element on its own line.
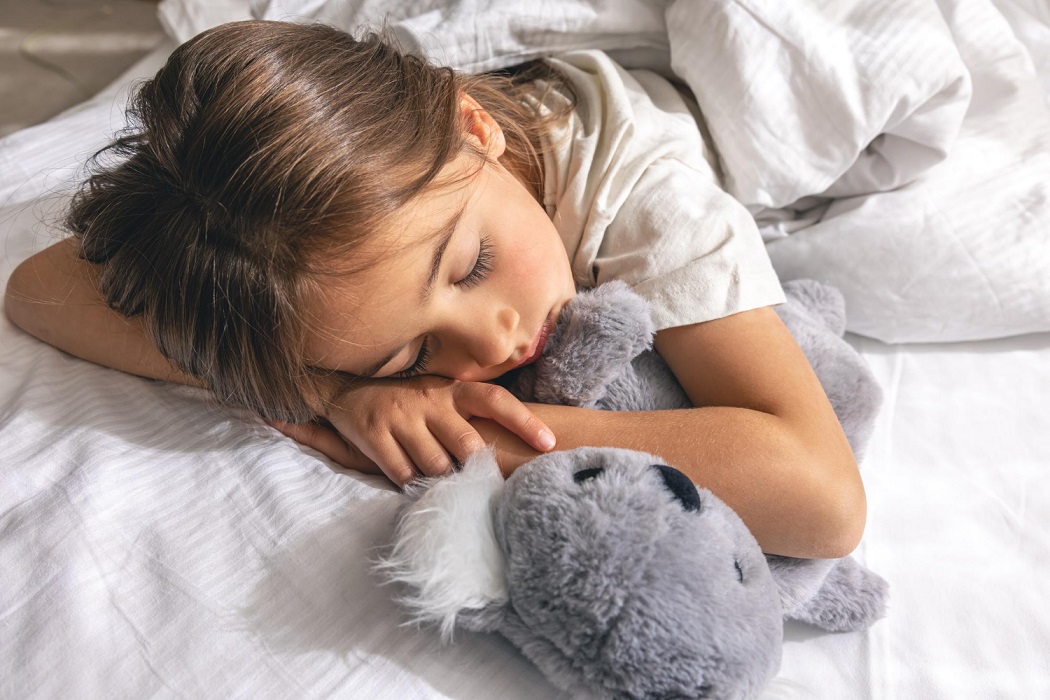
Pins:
<point x="151" y="545"/>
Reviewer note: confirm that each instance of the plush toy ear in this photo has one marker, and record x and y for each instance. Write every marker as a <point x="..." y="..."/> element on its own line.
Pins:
<point x="445" y="552"/>
<point x="599" y="332"/>
<point x="838" y="595"/>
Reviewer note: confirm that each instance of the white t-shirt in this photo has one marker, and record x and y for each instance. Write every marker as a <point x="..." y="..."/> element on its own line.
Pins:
<point x="633" y="191"/>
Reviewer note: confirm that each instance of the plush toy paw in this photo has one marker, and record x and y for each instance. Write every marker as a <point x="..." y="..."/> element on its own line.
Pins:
<point x="837" y="595"/>
<point x="821" y="301"/>
<point x="849" y="597"/>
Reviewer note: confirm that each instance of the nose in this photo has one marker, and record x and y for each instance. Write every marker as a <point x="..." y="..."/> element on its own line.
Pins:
<point x="487" y="338"/>
<point x="679" y="485"/>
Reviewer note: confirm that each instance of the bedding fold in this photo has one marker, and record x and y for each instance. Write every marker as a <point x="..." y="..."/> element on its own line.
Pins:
<point x="962" y="252"/>
<point x="833" y="98"/>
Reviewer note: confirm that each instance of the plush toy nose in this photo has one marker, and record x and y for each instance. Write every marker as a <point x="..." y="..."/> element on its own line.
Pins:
<point x="679" y="484"/>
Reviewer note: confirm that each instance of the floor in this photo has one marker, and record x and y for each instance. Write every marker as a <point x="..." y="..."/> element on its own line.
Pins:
<point x="56" y="53"/>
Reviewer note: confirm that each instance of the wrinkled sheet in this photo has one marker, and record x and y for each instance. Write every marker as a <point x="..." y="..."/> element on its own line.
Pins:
<point x="151" y="544"/>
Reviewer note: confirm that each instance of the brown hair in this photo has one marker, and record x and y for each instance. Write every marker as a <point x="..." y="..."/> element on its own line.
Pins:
<point x="257" y="155"/>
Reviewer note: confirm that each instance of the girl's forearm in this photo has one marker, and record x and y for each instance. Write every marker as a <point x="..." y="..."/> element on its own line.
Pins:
<point x="53" y="296"/>
<point x="793" y="505"/>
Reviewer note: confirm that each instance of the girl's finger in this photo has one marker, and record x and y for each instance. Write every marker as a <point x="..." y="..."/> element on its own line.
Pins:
<point x="495" y="402"/>
<point x="326" y="441"/>
<point x="392" y="459"/>
<point x="458" y="436"/>
<point x="426" y="453"/>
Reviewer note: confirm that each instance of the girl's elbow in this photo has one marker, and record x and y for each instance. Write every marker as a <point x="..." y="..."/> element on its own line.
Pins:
<point x="836" y="506"/>
<point x="846" y="515"/>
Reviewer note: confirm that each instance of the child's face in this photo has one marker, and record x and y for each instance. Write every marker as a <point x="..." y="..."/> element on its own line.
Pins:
<point x="504" y="274"/>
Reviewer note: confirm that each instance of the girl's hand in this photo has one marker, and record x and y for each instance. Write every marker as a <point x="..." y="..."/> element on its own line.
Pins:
<point x="325" y="439"/>
<point x="420" y="425"/>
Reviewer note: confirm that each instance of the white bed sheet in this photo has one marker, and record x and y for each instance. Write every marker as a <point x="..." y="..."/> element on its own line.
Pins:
<point x="153" y="545"/>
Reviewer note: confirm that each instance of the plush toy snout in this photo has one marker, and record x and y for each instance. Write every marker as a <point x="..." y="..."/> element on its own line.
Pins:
<point x="679" y="485"/>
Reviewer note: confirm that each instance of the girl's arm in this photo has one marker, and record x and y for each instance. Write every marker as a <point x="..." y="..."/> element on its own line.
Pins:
<point x="54" y="296"/>
<point x="765" y="439"/>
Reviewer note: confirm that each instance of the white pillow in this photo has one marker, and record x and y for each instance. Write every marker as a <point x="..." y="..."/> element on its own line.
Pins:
<point x="183" y="19"/>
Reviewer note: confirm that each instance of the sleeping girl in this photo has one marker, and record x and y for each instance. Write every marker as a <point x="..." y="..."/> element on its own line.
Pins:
<point x="355" y="244"/>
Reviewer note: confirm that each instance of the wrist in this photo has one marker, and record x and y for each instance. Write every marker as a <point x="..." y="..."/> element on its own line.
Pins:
<point x="511" y="451"/>
<point x="571" y="428"/>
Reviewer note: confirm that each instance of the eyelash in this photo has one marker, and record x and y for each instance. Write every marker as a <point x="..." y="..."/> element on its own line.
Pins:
<point x="482" y="267"/>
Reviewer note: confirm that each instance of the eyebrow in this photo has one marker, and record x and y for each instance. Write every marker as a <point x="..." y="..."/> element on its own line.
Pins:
<point x="444" y="237"/>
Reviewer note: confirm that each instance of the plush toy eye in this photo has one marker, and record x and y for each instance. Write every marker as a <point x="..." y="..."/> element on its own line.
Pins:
<point x="585" y="474"/>
<point x="739" y="571"/>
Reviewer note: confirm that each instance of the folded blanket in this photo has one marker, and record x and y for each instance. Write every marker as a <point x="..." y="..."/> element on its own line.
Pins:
<point x="833" y="97"/>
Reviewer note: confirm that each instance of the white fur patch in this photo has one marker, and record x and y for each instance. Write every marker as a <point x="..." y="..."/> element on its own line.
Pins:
<point x="445" y="549"/>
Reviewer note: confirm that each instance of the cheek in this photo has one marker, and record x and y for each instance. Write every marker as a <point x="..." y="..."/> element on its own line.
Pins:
<point x="534" y="269"/>
<point x="541" y="253"/>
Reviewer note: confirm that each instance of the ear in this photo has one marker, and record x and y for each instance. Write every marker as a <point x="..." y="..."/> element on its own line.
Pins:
<point x="445" y="552"/>
<point x="481" y="127"/>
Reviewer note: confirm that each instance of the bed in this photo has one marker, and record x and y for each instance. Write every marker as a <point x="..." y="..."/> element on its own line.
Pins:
<point x="153" y="545"/>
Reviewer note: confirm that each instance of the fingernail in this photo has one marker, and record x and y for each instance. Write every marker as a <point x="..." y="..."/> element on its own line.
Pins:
<point x="547" y="440"/>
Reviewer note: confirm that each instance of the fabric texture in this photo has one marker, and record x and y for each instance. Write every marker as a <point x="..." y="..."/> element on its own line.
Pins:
<point x="635" y="199"/>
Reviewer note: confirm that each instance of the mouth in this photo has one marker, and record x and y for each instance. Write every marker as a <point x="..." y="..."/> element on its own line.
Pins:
<point x="540" y="342"/>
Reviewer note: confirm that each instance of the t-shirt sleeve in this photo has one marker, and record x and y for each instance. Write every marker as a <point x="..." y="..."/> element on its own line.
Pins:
<point x="633" y="189"/>
<point x="687" y="247"/>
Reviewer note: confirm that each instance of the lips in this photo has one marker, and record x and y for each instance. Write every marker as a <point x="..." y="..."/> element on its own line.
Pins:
<point x="541" y="341"/>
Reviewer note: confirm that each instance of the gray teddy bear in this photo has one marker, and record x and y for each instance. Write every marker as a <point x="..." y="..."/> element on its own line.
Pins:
<point x="609" y="569"/>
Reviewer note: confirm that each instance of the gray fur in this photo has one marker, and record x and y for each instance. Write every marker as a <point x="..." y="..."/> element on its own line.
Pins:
<point x="619" y="585"/>
<point x="630" y="592"/>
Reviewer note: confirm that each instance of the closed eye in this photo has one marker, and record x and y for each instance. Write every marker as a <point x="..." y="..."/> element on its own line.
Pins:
<point x="739" y="571"/>
<point x="419" y="366"/>
<point x="482" y="265"/>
